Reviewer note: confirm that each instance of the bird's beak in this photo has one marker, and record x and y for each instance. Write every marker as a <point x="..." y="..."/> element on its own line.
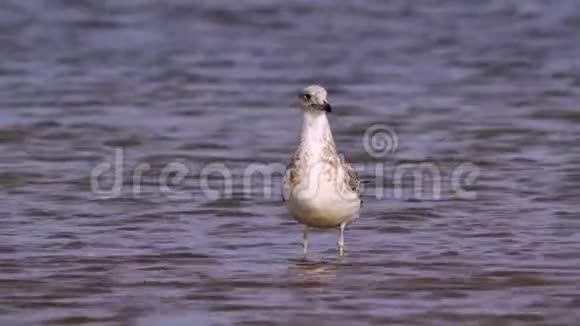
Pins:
<point x="326" y="107"/>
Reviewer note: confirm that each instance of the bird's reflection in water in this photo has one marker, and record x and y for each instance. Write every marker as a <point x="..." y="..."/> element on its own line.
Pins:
<point x="315" y="270"/>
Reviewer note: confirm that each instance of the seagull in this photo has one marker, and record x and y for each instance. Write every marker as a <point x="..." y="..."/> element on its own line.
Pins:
<point x="320" y="189"/>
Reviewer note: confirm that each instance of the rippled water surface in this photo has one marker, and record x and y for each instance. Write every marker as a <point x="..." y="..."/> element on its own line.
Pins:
<point x="492" y="83"/>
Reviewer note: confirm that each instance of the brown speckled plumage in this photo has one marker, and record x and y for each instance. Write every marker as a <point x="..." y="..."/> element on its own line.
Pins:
<point x="331" y="162"/>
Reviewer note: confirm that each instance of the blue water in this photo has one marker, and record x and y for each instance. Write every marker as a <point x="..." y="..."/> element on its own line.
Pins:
<point x="494" y="84"/>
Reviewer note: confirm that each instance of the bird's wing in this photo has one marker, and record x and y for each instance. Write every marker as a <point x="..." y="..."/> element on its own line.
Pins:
<point x="290" y="176"/>
<point x="351" y="178"/>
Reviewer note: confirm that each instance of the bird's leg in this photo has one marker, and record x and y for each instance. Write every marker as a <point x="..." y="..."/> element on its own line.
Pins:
<point x="305" y="240"/>
<point x="341" y="240"/>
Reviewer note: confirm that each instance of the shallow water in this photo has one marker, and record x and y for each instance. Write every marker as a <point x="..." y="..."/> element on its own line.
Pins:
<point x="493" y="84"/>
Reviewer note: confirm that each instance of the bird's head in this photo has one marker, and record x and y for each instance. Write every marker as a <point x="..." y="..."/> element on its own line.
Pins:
<point x="313" y="98"/>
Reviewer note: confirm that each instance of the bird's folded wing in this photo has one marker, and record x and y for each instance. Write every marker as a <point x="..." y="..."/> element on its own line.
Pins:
<point x="351" y="178"/>
<point x="290" y="176"/>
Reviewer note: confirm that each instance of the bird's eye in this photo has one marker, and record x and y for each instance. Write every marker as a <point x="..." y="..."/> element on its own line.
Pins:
<point x="306" y="96"/>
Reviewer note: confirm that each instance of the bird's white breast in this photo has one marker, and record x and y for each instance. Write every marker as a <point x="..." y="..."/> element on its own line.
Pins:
<point x="321" y="203"/>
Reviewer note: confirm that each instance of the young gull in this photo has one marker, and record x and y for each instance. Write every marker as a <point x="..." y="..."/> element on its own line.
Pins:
<point x="320" y="189"/>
